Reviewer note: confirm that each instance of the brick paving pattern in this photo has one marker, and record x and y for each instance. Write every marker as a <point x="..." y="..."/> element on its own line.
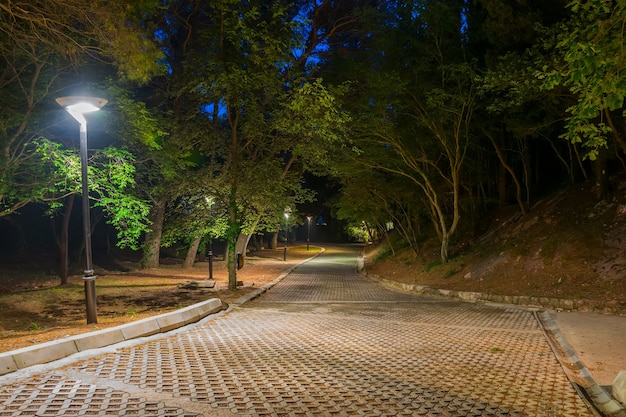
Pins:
<point x="323" y="342"/>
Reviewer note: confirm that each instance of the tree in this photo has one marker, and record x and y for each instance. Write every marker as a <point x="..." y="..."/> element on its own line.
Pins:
<point x="111" y="175"/>
<point x="417" y="103"/>
<point x="42" y="45"/>
<point x="520" y="120"/>
<point x="236" y="80"/>
<point x="589" y="62"/>
<point x="162" y="161"/>
<point x="384" y="202"/>
<point x="584" y="55"/>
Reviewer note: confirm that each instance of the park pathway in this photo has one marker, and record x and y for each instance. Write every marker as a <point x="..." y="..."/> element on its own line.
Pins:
<point x="325" y="341"/>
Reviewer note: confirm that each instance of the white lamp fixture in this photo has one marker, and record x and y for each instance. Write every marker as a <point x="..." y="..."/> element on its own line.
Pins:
<point x="77" y="106"/>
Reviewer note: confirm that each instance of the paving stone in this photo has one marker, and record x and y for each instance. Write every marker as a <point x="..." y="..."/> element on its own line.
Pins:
<point x="323" y="342"/>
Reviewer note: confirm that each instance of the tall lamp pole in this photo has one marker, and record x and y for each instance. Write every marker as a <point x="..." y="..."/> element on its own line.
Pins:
<point x="209" y="201"/>
<point x="286" y="213"/>
<point x="308" y="231"/>
<point x="77" y="107"/>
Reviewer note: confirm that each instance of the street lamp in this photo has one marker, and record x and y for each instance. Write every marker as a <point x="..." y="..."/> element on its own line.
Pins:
<point x="287" y="212"/>
<point x="77" y="107"/>
<point x="308" y="230"/>
<point x="209" y="201"/>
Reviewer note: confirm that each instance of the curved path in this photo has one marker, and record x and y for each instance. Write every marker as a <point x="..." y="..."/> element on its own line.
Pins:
<point x="325" y="341"/>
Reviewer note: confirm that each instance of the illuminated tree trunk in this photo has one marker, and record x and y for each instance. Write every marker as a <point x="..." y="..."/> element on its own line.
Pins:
<point x="152" y="243"/>
<point x="64" y="240"/>
<point x="190" y="258"/>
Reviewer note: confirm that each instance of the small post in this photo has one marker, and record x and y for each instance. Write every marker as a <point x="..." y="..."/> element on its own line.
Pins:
<point x="308" y="231"/>
<point x="210" y="256"/>
<point x="286" y="213"/>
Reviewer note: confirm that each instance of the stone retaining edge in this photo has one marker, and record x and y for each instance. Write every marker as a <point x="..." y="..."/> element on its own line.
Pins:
<point x="57" y="349"/>
<point x="595" y="306"/>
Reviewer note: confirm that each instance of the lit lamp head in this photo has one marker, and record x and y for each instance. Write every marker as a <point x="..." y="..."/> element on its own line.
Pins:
<point x="77" y="106"/>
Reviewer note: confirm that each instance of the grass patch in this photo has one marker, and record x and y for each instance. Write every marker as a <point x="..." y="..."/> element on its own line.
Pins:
<point x="432" y="265"/>
<point x="450" y="273"/>
<point x="383" y="253"/>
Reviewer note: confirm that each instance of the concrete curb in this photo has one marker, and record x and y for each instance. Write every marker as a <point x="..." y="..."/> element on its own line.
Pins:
<point x="598" y="399"/>
<point x="58" y="349"/>
<point x="576" y="371"/>
<point x="47" y="352"/>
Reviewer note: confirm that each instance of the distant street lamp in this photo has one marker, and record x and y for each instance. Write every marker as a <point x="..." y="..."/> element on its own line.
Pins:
<point x="77" y="107"/>
<point x="287" y="212"/>
<point x="308" y="231"/>
<point x="209" y="201"/>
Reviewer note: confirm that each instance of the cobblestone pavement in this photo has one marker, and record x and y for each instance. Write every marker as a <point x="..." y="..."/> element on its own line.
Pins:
<point x="325" y="341"/>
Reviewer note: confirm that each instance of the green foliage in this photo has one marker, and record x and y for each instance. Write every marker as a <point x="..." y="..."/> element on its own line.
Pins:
<point x="588" y="60"/>
<point x="357" y="233"/>
<point x="432" y="265"/>
<point x="40" y="54"/>
<point x="44" y="169"/>
<point x="111" y="180"/>
<point x="383" y="253"/>
<point x="195" y="216"/>
<point x="138" y="123"/>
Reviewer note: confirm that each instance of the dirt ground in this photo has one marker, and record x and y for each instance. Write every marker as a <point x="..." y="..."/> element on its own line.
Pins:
<point x="569" y="246"/>
<point x="35" y="309"/>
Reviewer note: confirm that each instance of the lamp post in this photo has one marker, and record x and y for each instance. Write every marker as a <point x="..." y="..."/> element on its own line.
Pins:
<point x="209" y="201"/>
<point x="308" y="231"/>
<point x="210" y="256"/>
<point x="77" y="107"/>
<point x="287" y="212"/>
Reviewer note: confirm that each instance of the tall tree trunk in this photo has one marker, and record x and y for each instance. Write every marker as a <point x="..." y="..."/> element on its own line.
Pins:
<point x="64" y="240"/>
<point x="368" y="229"/>
<point x="257" y="242"/>
<point x="190" y="259"/>
<point x="445" y="248"/>
<point x="234" y="227"/>
<point x="273" y="242"/>
<point x="385" y="232"/>
<point x="231" y="252"/>
<point x="244" y="239"/>
<point x="152" y="241"/>
<point x="502" y="183"/>
<point x="242" y="243"/>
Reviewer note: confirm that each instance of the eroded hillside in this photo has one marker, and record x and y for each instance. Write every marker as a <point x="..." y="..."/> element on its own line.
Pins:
<point x="568" y="246"/>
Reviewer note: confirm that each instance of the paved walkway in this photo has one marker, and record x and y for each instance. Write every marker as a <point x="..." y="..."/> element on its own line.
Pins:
<point x="325" y="341"/>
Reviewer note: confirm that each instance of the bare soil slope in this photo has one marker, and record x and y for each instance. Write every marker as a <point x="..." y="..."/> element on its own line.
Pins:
<point x="569" y="246"/>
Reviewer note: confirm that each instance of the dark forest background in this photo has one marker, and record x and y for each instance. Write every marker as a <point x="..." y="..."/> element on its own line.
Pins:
<point x="356" y="118"/>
